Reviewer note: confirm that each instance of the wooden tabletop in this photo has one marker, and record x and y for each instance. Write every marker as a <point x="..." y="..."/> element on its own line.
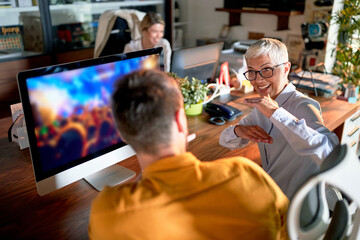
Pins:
<point x="63" y="214"/>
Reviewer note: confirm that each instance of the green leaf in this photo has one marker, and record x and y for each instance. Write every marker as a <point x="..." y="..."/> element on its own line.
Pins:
<point x="193" y="90"/>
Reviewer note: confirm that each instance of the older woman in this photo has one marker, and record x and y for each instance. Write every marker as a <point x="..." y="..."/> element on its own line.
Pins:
<point x="287" y="125"/>
<point x="152" y="30"/>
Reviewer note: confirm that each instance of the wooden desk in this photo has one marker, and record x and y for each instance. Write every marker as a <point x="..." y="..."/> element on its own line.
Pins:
<point x="206" y="146"/>
<point x="64" y="214"/>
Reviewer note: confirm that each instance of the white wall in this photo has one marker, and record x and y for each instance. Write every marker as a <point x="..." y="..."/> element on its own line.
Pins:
<point x="205" y="22"/>
<point x="330" y="57"/>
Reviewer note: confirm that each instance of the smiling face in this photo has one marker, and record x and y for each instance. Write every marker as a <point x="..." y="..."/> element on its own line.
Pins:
<point x="153" y="34"/>
<point x="268" y="86"/>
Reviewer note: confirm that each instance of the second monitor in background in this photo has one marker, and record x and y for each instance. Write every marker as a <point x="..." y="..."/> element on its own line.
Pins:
<point x="200" y="62"/>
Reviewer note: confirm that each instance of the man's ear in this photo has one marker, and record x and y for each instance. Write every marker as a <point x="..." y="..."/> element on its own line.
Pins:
<point x="122" y="139"/>
<point x="181" y="120"/>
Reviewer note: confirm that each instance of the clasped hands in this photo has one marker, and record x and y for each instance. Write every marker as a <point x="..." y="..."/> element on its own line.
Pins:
<point x="267" y="106"/>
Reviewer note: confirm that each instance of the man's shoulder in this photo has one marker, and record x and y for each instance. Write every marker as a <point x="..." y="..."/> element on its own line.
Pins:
<point x="244" y="173"/>
<point x="238" y="166"/>
<point x="122" y="198"/>
<point x="235" y="161"/>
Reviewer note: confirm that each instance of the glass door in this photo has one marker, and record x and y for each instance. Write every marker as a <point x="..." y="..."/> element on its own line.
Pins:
<point x="74" y="24"/>
<point x="35" y="27"/>
<point x="20" y="29"/>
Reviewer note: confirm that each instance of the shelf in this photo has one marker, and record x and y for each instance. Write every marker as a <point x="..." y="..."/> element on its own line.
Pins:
<point x="177" y="31"/>
<point x="19" y="9"/>
<point x="283" y="17"/>
<point x="98" y="7"/>
<point x="105" y="5"/>
<point x="17" y="55"/>
<point x="179" y="24"/>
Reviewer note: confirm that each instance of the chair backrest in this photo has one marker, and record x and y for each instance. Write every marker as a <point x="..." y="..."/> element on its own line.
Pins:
<point x="119" y="36"/>
<point x="309" y="215"/>
<point x="114" y="29"/>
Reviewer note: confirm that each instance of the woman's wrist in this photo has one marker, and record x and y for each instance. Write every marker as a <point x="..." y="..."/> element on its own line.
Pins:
<point x="235" y="131"/>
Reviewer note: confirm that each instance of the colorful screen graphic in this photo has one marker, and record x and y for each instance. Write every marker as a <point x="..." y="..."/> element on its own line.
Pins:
<point x="72" y="113"/>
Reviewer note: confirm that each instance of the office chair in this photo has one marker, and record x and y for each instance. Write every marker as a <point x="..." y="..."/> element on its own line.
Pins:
<point x="119" y="36"/>
<point x="309" y="216"/>
<point x="115" y="29"/>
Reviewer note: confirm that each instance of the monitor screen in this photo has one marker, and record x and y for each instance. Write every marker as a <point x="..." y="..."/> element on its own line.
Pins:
<point x="200" y="62"/>
<point x="68" y="116"/>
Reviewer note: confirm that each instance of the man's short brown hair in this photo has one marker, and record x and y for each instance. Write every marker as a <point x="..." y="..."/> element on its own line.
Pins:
<point x="144" y="106"/>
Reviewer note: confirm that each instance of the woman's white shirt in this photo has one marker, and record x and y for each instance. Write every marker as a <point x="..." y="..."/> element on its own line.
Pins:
<point x="136" y="45"/>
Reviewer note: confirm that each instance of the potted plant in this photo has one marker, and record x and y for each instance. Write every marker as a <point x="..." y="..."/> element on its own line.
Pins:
<point x="194" y="93"/>
<point x="347" y="64"/>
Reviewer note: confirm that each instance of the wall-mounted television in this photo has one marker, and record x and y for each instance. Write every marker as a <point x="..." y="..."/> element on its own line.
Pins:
<point x="69" y="121"/>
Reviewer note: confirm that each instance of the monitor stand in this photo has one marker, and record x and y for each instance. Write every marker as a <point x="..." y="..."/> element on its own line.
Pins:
<point x="110" y="176"/>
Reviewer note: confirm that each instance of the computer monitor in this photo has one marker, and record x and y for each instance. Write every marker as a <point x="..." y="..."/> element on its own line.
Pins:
<point x="69" y="121"/>
<point x="200" y="62"/>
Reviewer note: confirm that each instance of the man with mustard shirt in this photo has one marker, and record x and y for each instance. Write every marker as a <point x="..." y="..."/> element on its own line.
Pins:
<point x="178" y="196"/>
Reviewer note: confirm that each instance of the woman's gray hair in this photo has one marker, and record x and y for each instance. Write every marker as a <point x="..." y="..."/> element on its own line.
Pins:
<point x="273" y="48"/>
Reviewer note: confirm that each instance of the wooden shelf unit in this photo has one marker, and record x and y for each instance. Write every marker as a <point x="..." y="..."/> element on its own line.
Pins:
<point x="283" y="16"/>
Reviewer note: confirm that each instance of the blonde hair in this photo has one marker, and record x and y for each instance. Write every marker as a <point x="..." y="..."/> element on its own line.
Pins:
<point x="150" y="19"/>
<point x="273" y="48"/>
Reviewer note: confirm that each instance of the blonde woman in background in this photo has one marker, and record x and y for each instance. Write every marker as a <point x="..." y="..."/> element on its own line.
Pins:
<point x="152" y="30"/>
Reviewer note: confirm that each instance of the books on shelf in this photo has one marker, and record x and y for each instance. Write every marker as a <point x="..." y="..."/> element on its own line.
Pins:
<point x="5" y="3"/>
<point x="320" y="87"/>
<point x="256" y="8"/>
<point x="18" y="3"/>
<point x="322" y="78"/>
<point x="11" y="39"/>
<point x="326" y="83"/>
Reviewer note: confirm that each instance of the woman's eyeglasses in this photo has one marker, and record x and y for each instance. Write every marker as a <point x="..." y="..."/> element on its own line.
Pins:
<point x="265" y="73"/>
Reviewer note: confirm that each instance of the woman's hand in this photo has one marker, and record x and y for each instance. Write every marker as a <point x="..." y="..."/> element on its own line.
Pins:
<point x="253" y="133"/>
<point x="266" y="105"/>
